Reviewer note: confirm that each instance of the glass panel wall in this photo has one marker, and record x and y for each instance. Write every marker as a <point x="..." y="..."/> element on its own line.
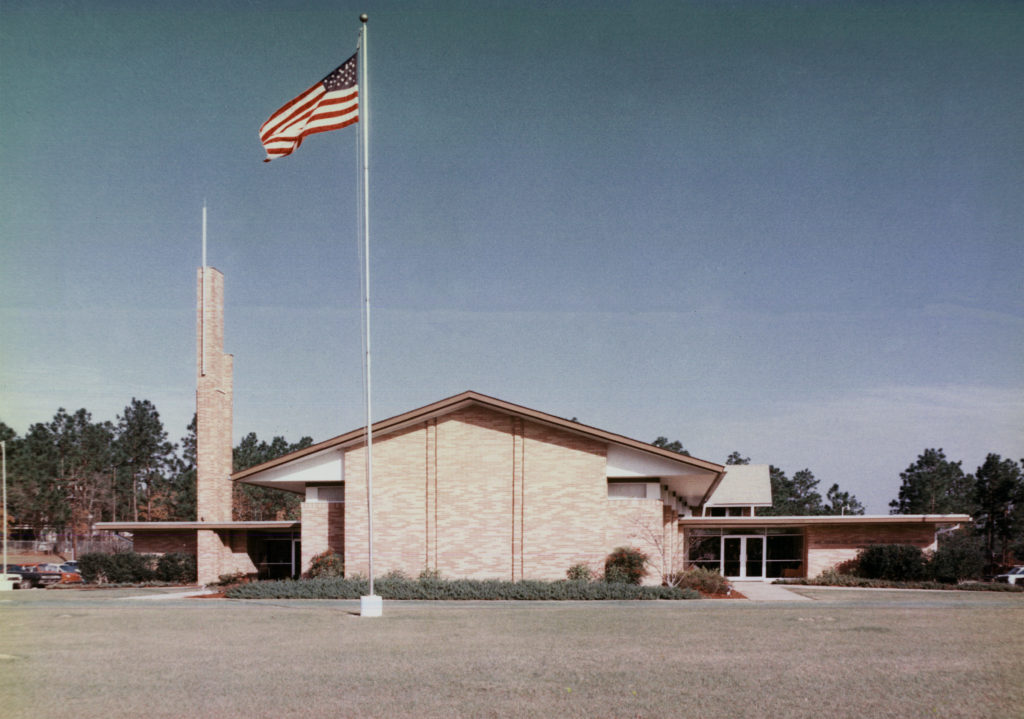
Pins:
<point x="755" y="556"/>
<point x="777" y="552"/>
<point x="785" y="556"/>
<point x="705" y="551"/>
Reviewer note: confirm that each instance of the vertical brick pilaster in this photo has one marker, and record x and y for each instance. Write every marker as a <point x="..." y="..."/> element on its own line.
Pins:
<point x="518" y="509"/>
<point x="314" y="531"/>
<point x="430" y="435"/>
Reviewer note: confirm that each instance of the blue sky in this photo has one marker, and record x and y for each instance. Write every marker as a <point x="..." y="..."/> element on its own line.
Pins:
<point x="792" y="230"/>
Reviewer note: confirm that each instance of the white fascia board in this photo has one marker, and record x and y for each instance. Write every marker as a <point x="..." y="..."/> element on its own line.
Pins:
<point x="328" y="466"/>
<point x="689" y="483"/>
<point x="624" y="462"/>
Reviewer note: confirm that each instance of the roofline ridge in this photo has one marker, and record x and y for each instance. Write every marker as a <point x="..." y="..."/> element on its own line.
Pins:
<point x="472" y="396"/>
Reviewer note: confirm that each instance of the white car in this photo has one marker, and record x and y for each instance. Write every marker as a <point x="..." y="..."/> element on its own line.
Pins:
<point x="1014" y="576"/>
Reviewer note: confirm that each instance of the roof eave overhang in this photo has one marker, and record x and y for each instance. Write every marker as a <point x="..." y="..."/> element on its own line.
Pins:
<point x="191" y="526"/>
<point x="818" y="520"/>
<point x="470" y="398"/>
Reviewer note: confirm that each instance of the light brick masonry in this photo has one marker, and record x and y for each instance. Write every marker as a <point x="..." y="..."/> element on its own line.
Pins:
<point x="479" y="493"/>
<point x="214" y="378"/>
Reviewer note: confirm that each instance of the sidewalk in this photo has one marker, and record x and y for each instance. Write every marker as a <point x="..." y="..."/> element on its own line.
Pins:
<point x="175" y="595"/>
<point x="764" y="592"/>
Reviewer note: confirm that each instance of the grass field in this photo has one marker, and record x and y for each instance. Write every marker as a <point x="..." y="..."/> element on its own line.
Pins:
<point x="72" y="653"/>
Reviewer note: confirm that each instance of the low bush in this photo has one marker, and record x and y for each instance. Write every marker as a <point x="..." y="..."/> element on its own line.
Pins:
<point x="895" y="562"/>
<point x="176" y="567"/>
<point x="831" y="578"/>
<point x="960" y="556"/>
<point x="705" y="581"/>
<point x="326" y="564"/>
<point x="92" y="565"/>
<point x="625" y="565"/>
<point x="233" y="578"/>
<point x="427" y="574"/>
<point x="117" y="568"/>
<point x="579" y="573"/>
<point x="850" y="567"/>
<point x="453" y="589"/>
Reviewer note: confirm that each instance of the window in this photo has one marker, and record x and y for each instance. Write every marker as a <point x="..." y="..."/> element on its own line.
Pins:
<point x="627" y="490"/>
<point x="728" y="512"/>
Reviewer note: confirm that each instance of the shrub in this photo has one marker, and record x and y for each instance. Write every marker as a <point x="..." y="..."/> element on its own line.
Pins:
<point x="831" y="578"/>
<point x="130" y="568"/>
<point x="452" y="589"/>
<point x="176" y="567"/>
<point x="232" y="578"/>
<point x="896" y="562"/>
<point x="958" y="557"/>
<point x="579" y="573"/>
<point x="327" y="564"/>
<point x="625" y="565"/>
<point x="850" y="567"/>
<point x="705" y="581"/>
<point x="427" y="574"/>
<point x="117" y="568"/>
<point x="92" y="566"/>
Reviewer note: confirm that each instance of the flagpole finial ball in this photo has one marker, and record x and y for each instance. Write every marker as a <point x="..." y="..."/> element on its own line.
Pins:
<point x="364" y="17"/>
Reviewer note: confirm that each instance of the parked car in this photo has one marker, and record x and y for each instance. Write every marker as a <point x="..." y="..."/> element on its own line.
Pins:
<point x="24" y="578"/>
<point x="42" y="575"/>
<point x="70" y="577"/>
<point x="1014" y="576"/>
<point x="71" y="566"/>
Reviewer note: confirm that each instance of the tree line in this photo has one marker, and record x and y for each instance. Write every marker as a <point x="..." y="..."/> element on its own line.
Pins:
<point x="993" y="495"/>
<point x="73" y="471"/>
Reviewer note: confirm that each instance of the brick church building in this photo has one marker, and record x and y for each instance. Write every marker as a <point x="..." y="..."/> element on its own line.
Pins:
<point x="474" y="486"/>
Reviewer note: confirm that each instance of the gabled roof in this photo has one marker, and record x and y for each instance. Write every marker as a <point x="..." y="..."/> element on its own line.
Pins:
<point x="744" y="485"/>
<point x="470" y="399"/>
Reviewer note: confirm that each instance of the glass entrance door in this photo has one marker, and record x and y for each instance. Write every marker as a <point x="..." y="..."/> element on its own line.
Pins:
<point x="743" y="557"/>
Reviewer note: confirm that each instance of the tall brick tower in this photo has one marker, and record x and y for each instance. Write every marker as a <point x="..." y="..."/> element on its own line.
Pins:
<point x="214" y="381"/>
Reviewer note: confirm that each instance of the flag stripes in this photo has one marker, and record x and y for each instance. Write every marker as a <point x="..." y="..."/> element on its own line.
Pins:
<point x="331" y="104"/>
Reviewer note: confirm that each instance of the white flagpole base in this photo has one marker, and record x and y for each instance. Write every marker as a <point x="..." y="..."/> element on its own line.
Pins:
<point x="7" y="582"/>
<point x="371" y="606"/>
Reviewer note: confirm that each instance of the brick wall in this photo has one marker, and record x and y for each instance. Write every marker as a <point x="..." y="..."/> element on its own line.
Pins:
<point x="165" y="541"/>
<point x="483" y="494"/>
<point x="323" y="529"/>
<point x="829" y="545"/>
<point x="645" y="524"/>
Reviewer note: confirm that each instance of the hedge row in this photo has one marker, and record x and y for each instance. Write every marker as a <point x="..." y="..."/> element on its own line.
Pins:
<point x="835" y="579"/>
<point x="133" y="568"/>
<point x="401" y="588"/>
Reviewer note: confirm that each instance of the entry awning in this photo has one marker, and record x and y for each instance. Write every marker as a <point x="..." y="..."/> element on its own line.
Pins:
<point x="808" y="520"/>
<point x="165" y="526"/>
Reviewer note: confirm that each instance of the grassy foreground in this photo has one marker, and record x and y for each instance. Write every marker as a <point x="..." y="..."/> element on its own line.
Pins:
<point x="852" y="653"/>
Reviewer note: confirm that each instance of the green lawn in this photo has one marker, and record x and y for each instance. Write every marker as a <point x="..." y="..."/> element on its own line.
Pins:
<point x="68" y="653"/>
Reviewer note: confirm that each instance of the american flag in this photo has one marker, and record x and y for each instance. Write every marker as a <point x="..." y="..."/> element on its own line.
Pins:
<point x="330" y="104"/>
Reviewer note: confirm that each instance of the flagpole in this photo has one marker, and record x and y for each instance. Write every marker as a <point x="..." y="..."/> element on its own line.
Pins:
<point x="370" y="605"/>
<point x="3" y="576"/>
<point x="202" y="303"/>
